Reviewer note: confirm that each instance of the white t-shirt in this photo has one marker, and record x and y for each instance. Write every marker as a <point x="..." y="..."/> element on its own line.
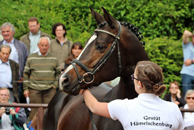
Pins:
<point x="146" y="112"/>
<point x="6" y="123"/>
<point x="188" y="118"/>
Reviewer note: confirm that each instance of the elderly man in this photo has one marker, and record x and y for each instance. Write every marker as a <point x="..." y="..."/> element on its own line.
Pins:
<point x="40" y="75"/>
<point x="10" y="118"/>
<point x="9" y="72"/>
<point x="19" y="51"/>
<point x="32" y="37"/>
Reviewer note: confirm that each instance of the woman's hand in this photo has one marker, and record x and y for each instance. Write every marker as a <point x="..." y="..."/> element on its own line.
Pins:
<point x="178" y="94"/>
<point x="81" y="91"/>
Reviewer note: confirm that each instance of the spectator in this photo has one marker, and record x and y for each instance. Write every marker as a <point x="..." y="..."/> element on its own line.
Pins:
<point x="175" y="94"/>
<point x="75" y="51"/>
<point x="19" y="51"/>
<point x="189" y="116"/>
<point x="1" y="37"/>
<point x="40" y="75"/>
<point x="60" y="46"/>
<point x="188" y="66"/>
<point x="9" y="73"/>
<point x="147" y="111"/>
<point x="32" y="37"/>
<point x="10" y="118"/>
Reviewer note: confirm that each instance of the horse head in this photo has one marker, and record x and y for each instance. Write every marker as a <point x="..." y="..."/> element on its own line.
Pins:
<point x="113" y="50"/>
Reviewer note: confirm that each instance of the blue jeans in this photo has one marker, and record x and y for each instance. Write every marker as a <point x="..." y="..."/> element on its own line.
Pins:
<point x="187" y="83"/>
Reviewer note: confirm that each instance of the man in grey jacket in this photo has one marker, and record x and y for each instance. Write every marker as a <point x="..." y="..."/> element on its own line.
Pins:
<point x="32" y="37"/>
<point x="19" y="50"/>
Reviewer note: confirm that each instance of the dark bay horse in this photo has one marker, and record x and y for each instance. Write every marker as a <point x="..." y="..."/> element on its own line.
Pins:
<point x="113" y="50"/>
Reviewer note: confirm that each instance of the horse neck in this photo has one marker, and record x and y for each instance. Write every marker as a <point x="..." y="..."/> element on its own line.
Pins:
<point x="125" y="88"/>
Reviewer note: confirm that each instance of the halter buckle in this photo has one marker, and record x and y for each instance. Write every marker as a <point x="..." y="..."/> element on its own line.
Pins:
<point x="88" y="78"/>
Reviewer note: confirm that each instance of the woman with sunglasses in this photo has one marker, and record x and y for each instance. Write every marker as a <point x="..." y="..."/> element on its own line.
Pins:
<point x="189" y="116"/>
<point x="147" y="111"/>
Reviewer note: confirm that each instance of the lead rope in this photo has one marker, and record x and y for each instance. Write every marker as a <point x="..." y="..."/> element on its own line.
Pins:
<point x="92" y="119"/>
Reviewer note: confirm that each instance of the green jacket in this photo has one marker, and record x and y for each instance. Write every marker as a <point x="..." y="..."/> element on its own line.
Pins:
<point x="18" y="119"/>
<point x="25" y="39"/>
<point x="61" y="52"/>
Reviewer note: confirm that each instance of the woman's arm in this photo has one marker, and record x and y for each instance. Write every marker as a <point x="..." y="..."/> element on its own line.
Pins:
<point x="99" y="108"/>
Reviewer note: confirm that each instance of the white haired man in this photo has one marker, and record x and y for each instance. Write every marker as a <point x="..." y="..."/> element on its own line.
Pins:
<point x="40" y="75"/>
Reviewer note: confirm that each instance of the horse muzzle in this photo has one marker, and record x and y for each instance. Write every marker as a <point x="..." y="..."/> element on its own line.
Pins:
<point x="67" y="86"/>
<point x="73" y="85"/>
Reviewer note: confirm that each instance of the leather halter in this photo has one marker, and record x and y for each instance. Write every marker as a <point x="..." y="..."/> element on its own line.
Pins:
<point x="101" y="61"/>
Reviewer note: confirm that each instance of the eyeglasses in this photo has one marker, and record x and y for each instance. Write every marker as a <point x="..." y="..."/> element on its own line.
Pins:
<point x="192" y="98"/>
<point x="132" y="77"/>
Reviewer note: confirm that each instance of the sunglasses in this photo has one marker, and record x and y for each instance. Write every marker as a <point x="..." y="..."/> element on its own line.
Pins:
<point x="132" y="77"/>
<point x="190" y="98"/>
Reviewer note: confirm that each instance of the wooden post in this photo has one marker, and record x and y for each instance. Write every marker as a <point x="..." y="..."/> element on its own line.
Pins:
<point x="40" y="118"/>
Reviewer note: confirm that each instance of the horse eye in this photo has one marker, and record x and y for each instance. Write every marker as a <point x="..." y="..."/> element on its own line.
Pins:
<point x="100" y="47"/>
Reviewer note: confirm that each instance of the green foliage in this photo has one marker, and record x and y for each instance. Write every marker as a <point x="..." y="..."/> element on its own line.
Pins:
<point x="155" y="18"/>
<point x="162" y="22"/>
<point x="167" y="53"/>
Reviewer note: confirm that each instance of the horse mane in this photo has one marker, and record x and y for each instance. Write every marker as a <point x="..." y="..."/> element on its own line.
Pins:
<point x="130" y="27"/>
<point x="134" y="30"/>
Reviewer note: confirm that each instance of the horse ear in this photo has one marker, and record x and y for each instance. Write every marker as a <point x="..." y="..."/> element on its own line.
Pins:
<point x="99" y="19"/>
<point x="110" y="20"/>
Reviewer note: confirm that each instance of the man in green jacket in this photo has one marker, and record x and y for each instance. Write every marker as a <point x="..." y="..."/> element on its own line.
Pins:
<point x="11" y="118"/>
<point x="32" y="37"/>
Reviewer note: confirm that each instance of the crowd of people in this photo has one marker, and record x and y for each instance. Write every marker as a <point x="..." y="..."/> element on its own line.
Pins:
<point x="29" y="69"/>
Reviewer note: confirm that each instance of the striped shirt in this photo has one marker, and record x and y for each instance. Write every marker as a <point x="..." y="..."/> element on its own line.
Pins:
<point x="41" y="72"/>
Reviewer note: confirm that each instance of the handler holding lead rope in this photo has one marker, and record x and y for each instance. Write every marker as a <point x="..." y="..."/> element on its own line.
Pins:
<point x="147" y="111"/>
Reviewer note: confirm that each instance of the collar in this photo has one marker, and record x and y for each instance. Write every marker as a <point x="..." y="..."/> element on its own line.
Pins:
<point x="7" y="63"/>
<point x="5" y="42"/>
<point x="58" y="40"/>
<point x="147" y="96"/>
<point x="40" y="54"/>
<point x="38" y="33"/>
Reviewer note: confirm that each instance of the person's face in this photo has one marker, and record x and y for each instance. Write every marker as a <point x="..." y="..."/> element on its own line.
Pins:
<point x="43" y="46"/>
<point x="4" y="54"/>
<point x="7" y="34"/>
<point x="59" y="31"/>
<point x="4" y="96"/>
<point x="190" y="101"/>
<point x="173" y="88"/>
<point x="76" y="51"/>
<point x="34" y="27"/>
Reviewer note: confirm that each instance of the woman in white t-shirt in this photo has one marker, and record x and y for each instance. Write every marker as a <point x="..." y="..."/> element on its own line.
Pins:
<point x="189" y="116"/>
<point x="147" y="111"/>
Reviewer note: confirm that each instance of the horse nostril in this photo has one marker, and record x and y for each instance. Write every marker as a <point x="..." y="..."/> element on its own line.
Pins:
<point x="65" y="81"/>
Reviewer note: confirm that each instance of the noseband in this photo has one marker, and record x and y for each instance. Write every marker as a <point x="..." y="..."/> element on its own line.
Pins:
<point x="88" y="77"/>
